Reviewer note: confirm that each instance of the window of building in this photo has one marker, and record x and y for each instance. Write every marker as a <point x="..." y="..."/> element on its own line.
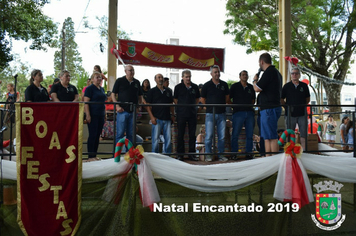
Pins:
<point x="347" y="97"/>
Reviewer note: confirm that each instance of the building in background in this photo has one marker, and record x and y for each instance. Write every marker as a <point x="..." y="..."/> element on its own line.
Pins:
<point x="173" y="74"/>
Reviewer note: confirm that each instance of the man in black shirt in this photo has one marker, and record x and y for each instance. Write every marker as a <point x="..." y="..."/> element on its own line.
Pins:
<point x="186" y="93"/>
<point x="126" y="91"/>
<point x="215" y="91"/>
<point x="161" y="117"/>
<point x="270" y="88"/>
<point x="296" y="92"/>
<point x="243" y="93"/>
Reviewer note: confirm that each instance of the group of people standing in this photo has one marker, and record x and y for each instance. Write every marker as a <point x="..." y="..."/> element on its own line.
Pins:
<point x="62" y="91"/>
<point x="186" y="96"/>
<point x="189" y="99"/>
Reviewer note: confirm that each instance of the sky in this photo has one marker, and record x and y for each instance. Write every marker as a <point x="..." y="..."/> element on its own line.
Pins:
<point x="195" y="23"/>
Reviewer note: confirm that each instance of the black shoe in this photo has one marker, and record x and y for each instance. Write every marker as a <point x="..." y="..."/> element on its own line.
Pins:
<point x="193" y="158"/>
<point x="180" y="158"/>
<point x="249" y="157"/>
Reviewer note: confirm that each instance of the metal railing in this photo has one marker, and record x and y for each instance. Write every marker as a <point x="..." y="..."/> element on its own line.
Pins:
<point x="8" y="123"/>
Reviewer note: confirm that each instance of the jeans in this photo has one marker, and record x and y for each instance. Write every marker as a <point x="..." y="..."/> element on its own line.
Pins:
<point x="124" y="122"/>
<point x="94" y="127"/>
<point x="240" y="119"/>
<point x="269" y="122"/>
<point x="164" y="125"/>
<point x="220" y="122"/>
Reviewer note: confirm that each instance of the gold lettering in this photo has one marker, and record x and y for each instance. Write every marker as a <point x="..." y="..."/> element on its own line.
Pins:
<point x="55" y="190"/>
<point x="67" y="228"/>
<point x="45" y="184"/>
<point x="27" y="115"/>
<point x="61" y="212"/>
<point x="32" y="170"/>
<point x="70" y="154"/>
<point x="55" y="141"/>
<point x="26" y="153"/>
<point x="38" y="132"/>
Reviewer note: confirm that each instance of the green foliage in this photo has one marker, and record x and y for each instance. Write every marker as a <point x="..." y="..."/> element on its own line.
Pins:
<point x="24" y="20"/>
<point x="7" y="76"/>
<point x="322" y="32"/>
<point x="231" y="82"/>
<point x="103" y="29"/>
<point x="319" y="29"/>
<point x="73" y="60"/>
<point x="82" y="80"/>
<point x="48" y="80"/>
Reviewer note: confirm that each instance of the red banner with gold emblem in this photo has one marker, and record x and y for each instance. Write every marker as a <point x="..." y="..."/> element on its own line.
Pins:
<point x="170" y="56"/>
<point x="49" y="167"/>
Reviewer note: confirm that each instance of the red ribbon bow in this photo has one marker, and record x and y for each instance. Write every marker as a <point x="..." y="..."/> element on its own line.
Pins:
<point x="135" y="156"/>
<point x="292" y="149"/>
<point x="294" y="60"/>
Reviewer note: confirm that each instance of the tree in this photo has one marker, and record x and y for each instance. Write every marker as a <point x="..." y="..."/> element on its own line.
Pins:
<point x="23" y="78"/>
<point x="231" y="82"/>
<point x="73" y="60"/>
<point x="103" y="29"/>
<point x="322" y="34"/>
<point x="24" y="20"/>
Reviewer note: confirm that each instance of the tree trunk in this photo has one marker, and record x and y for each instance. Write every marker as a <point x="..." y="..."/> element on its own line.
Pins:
<point x="333" y="92"/>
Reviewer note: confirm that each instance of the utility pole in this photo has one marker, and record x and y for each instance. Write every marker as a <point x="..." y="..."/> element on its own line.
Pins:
<point x="63" y="65"/>
<point x="112" y="38"/>
<point x="285" y="47"/>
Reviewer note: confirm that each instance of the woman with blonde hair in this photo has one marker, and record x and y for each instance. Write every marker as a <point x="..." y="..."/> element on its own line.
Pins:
<point x="95" y="113"/>
<point x="11" y="93"/>
<point x="200" y="146"/>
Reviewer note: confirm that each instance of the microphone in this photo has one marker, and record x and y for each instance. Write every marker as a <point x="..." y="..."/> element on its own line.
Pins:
<point x="259" y="72"/>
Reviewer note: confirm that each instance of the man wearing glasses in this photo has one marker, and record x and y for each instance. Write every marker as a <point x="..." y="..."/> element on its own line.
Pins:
<point x="215" y="91"/>
<point x="187" y="93"/>
<point x="126" y="91"/>
<point x="296" y="92"/>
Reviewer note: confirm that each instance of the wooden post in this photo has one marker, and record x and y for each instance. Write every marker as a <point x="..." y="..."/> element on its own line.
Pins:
<point x="112" y="38"/>
<point x="285" y="47"/>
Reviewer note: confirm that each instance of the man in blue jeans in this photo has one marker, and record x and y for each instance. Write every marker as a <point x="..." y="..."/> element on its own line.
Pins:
<point x="161" y="116"/>
<point x="243" y="93"/>
<point x="127" y="91"/>
<point x="215" y="91"/>
<point x="270" y="89"/>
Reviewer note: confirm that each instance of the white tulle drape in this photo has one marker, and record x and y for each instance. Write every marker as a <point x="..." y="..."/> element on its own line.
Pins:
<point x="219" y="177"/>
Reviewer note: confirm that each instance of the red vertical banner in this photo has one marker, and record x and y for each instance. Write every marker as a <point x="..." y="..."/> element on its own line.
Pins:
<point x="49" y="167"/>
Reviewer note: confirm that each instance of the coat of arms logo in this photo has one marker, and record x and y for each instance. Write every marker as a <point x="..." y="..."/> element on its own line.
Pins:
<point x="328" y="206"/>
<point x="131" y="50"/>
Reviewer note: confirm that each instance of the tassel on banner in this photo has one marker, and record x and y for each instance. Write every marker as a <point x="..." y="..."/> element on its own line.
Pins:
<point x="116" y="53"/>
